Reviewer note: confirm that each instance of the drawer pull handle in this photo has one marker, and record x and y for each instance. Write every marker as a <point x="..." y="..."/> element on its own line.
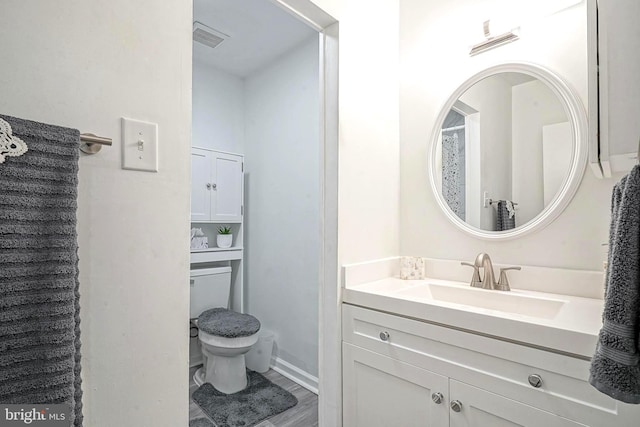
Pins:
<point x="535" y="380"/>
<point x="456" y="406"/>
<point x="384" y="336"/>
<point x="437" y="398"/>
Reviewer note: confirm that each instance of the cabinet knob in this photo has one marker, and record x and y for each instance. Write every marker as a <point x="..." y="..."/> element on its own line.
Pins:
<point x="214" y="186"/>
<point x="437" y="398"/>
<point x="208" y="186"/>
<point x="535" y="380"/>
<point x="456" y="406"/>
<point x="384" y="336"/>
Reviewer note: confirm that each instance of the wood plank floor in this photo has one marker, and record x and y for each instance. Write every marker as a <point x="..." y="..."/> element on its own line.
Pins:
<point x="304" y="414"/>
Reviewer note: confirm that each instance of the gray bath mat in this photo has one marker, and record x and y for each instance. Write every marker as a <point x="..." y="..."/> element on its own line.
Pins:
<point x="200" y="422"/>
<point x="260" y="400"/>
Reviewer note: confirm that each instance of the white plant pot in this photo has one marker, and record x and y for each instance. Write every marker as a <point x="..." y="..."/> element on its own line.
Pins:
<point x="224" y="240"/>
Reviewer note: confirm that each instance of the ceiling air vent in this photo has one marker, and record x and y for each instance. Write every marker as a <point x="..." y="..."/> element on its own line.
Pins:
<point x="207" y="35"/>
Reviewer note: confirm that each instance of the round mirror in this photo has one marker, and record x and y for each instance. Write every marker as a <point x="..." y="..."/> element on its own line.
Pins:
<point x="508" y="151"/>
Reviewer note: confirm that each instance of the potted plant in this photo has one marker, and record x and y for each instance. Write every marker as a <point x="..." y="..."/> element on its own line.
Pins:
<point x="224" y="238"/>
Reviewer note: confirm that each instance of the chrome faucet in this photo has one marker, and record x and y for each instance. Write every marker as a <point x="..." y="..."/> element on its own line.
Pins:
<point x="483" y="260"/>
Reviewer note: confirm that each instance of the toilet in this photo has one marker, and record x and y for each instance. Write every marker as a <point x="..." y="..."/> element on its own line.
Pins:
<point x="224" y="335"/>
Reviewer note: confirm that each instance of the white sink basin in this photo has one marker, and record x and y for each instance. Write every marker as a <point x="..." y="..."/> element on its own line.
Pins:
<point x="509" y="302"/>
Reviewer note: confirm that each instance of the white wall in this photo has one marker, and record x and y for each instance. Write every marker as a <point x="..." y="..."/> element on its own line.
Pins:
<point x="218" y="109"/>
<point x="282" y="193"/>
<point x="369" y="158"/>
<point x="369" y="164"/>
<point x="534" y="106"/>
<point x="434" y="44"/>
<point x="84" y="65"/>
<point x="369" y="172"/>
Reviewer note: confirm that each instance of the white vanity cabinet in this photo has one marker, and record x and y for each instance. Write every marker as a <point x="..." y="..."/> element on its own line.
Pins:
<point x="404" y="372"/>
<point x="381" y="391"/>
<point x="216" y="186"/>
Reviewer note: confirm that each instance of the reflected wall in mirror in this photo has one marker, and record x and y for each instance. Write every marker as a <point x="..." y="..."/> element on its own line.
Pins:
<point x="506" y="150"/>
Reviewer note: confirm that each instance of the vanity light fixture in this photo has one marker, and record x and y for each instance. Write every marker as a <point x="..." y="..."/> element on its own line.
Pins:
<point x="493" y="41"/>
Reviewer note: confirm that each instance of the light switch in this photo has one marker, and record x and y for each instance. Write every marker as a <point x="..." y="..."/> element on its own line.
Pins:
<point x="139" y="145"/>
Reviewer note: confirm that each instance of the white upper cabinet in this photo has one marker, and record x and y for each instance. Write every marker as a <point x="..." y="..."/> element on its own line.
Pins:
<point x="200" y="177"/>
<point x="216" y="186"/>
<point x="614" y="99"/>
<point x="226" y="188"/>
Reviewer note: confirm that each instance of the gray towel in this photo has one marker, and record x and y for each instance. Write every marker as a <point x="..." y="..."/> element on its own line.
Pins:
<point x="39" y="310"/>
<point x="505" y="220"/>
<point x="615" y="367"/>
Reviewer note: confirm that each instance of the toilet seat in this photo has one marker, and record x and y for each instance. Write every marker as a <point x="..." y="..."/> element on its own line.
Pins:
<point x="224" y="323"/>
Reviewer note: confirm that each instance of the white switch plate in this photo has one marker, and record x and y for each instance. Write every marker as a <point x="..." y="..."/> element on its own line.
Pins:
<point x="139" y="145"/>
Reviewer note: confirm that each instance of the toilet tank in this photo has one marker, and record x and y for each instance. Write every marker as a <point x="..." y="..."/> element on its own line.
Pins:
<point x="209" y="288"/>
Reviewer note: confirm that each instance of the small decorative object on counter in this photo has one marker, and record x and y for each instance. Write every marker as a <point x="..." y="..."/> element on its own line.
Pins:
<point x="225" y="238"/>
<point x="411" y="268"/>
<point x="198" y="239"/>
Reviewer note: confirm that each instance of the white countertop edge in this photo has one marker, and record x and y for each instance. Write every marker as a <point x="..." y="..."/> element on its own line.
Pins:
<point x="574" y="331"/>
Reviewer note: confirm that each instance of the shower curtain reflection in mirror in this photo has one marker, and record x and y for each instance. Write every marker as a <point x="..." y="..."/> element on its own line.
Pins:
<point x="453" y="161"/>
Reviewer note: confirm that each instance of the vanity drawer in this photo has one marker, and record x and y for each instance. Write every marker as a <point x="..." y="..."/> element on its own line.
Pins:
<point x="504" y="368"/>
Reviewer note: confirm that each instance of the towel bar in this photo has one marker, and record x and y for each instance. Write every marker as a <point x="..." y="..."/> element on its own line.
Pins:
<point x="91" y="144"/>
<point x="491" y="202"/>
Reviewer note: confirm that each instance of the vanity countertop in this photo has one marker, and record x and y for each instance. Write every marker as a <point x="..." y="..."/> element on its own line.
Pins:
<point x="561" y="323"/>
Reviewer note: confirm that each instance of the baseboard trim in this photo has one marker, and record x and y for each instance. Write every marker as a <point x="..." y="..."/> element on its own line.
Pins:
<point x="295" y="374"/>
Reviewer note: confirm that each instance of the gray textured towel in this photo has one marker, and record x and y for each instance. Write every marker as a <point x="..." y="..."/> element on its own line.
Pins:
<point x="39" y="310"/>
<point x="504" y="219"/>
<point x="615" y="367"/>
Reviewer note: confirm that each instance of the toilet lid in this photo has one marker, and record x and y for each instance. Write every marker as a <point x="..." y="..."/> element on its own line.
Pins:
<point x="226" y="323"/>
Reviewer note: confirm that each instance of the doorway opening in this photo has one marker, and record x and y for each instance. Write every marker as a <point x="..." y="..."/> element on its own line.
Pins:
<point x="265" y="109"/>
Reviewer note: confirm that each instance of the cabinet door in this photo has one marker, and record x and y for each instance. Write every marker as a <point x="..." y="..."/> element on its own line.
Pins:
<point x="619" y="54"/>
<point x="382" y="392"/>
<point x="200" y="177"/>
<point x="227" y="177"/>
<point x="480" y="408"/>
